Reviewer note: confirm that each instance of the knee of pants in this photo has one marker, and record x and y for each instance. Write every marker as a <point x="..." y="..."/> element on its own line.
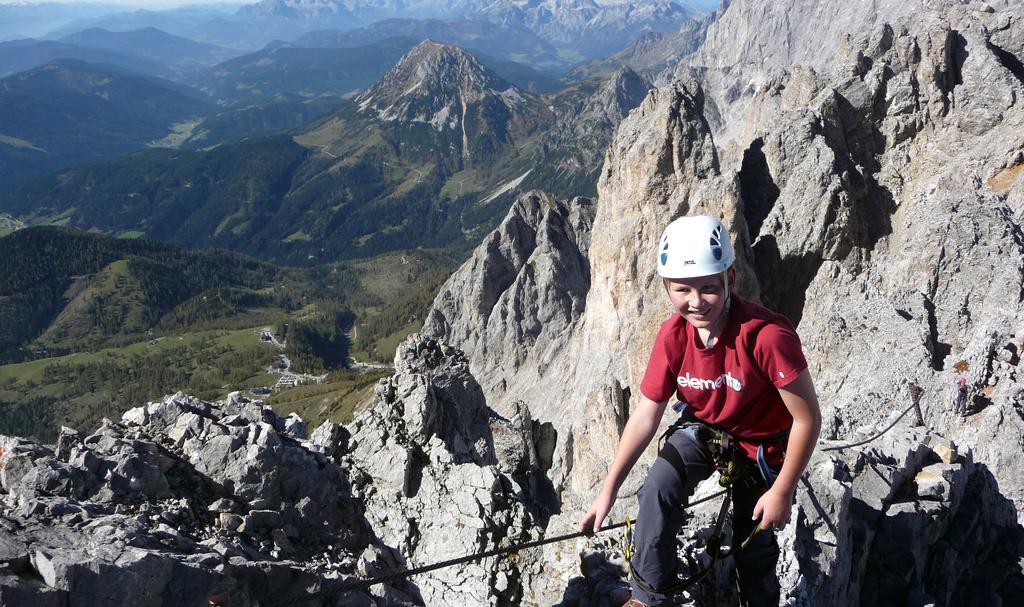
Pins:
<point x="663" y="498"/>
<point x="664" y="488"/>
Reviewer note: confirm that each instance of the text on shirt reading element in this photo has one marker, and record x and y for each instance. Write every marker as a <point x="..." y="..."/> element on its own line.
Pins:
<point x="698" y="383"/>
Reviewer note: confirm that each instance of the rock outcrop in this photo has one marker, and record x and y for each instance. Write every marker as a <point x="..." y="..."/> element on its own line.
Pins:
<point x="443" y="475"/>
<point x="184" y="500"/>
<point x="910" y="516"/>
<point x="515" y="304"/>
<point x="180" y="501"/>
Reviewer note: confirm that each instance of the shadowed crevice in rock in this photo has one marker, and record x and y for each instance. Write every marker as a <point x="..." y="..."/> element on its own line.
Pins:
<point x="957" y="54"/>
<point x="911" y="517"/>
<point x="922" y="548"/>
<point x="600" y="578"/>
<point x="545" y="437"/>
<point x="784" y="281"/>
<point x="757" y="188"/>
<point x="1008" y="60"/>
<point x="859" y="144"/>
<point x="939" y="349"/>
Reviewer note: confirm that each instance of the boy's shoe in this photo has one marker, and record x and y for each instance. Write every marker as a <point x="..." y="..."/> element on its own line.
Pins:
<point x="624" y="598"/>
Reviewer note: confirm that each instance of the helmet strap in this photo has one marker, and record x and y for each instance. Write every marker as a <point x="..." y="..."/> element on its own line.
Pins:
<point x="715" y="326"/>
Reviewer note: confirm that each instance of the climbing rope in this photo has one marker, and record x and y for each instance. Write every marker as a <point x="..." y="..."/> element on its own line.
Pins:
<point x="398" y="575"/>
<point x="874" y="437"/>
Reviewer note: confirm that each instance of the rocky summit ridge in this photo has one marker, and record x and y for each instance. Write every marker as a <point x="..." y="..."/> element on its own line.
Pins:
<point x="430" y="77"/>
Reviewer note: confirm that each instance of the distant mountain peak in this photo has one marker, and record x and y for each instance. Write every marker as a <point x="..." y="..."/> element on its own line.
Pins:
<point x="296" y="9"/>
<point x="434" y="83"/>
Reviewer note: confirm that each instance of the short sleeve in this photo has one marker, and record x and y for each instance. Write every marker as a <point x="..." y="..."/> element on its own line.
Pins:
<point x="778" y="352"/>
<point x="659" y="382"/>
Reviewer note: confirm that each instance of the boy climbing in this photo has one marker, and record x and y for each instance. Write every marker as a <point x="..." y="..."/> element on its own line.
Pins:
<point x="740" y="375"/>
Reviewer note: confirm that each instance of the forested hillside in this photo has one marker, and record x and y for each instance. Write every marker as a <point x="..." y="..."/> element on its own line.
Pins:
<point x="91" y="325"/>
<point x="71" y="290"/>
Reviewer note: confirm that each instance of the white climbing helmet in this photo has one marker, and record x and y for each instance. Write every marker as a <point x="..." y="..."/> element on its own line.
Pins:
<point x="694" y="246"/>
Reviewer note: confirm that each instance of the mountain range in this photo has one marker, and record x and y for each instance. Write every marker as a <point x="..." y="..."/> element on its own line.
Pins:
<point x="439" y="136"/>
<point x="428" y="141"/>
<point x="572" y="30"/>
<point x="180" y="54"/>
<point x="301" y="72"/>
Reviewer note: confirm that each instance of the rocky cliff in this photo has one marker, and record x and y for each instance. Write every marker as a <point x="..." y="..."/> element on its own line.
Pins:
<point x="872" y="188"/>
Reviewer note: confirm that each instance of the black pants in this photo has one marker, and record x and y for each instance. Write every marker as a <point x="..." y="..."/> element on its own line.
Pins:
<point x="666" y="490"/>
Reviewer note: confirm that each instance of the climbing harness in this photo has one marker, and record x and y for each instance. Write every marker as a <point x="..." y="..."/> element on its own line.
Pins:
<point x="725" y="456"/>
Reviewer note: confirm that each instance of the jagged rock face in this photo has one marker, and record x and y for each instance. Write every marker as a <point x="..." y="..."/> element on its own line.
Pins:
<point x="862" y="194"/>
<point x="910" y="515"/>
<point x="783" y="34"/>
<point x="182" y="500"/>
<point x="876" y="200"/>
<point x="573" y="149"/>
<point x="442" y="475"/>
<point x="448" y="101"/>
<point x="889" y="222"/>
<point x="662" y="164"/>
<point x="516" y="303"/>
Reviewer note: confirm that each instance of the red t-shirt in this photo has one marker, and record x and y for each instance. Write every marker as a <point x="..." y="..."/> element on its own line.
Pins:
<point x="734" y="385"/>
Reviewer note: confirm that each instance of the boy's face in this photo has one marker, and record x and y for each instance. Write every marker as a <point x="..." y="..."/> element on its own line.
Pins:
<point x="699" y="300"/>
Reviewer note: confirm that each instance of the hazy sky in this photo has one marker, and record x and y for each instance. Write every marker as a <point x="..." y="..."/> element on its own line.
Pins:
<point x="135" y="3"/>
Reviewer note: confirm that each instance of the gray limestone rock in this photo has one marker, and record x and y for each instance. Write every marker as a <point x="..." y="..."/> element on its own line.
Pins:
<point x="443" y="475"/>
<point x="516" y="302"/>
<point x="129" y="514"/>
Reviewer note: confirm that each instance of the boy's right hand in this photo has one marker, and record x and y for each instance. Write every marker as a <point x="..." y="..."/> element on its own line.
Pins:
<point x="594" y="518"/>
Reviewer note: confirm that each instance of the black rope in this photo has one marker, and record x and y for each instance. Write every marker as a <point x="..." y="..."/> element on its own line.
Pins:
<point x="384" y="579"/>
<point x="868" y="440"/>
